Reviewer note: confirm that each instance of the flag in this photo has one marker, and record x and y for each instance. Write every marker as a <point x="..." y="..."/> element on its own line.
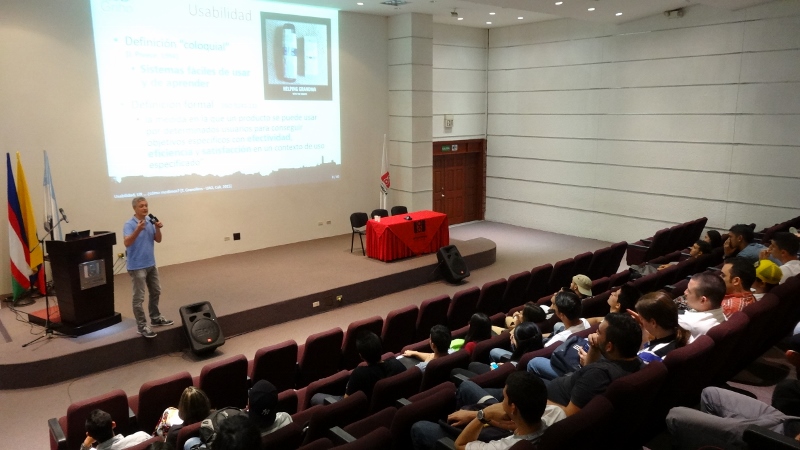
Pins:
<point x="385" y="183"/>
<point x="17" y="240"/>
<point x="28" y="218"/>
<point x="50" y="204"/>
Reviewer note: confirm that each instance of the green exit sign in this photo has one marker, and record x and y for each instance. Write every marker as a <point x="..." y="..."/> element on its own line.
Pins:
<point x="445" y="148"/>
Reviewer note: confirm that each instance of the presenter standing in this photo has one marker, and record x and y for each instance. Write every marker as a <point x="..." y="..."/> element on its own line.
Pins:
<point x="141" y="233"/>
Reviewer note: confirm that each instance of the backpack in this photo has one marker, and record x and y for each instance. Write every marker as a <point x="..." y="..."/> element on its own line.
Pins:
<point x="565" y="359"/>
<point x="210" y="425"/>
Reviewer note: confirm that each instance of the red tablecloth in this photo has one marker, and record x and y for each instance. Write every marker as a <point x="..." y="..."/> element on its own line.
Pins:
<point x="394" y="237"/>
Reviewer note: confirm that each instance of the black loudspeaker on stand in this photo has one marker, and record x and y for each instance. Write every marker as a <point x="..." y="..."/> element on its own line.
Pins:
<point x="202" y="328"/>
<point x="453" y="267"/>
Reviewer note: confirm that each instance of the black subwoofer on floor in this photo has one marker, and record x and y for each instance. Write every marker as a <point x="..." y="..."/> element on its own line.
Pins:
<point x="201" y="327"/>
<point x="453" y="267"/>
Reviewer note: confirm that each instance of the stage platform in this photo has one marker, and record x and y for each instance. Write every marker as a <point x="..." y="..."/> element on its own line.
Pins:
<point x="248" y="291"/>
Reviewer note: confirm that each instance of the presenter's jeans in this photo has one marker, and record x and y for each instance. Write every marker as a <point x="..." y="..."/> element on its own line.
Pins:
<point x="141" y="278"/>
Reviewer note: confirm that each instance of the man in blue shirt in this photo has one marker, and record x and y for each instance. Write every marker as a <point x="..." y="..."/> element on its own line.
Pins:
<point x="141" y="233"/>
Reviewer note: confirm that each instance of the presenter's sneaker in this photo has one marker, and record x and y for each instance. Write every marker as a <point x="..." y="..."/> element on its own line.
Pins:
<point x="161" y="321"/>
<point x="147" y="332"/>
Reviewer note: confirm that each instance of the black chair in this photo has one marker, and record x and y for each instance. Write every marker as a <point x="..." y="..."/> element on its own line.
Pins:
<point x="379" y="212"/>
<point x="358" y="222"/>
<point x="397" y="210"/>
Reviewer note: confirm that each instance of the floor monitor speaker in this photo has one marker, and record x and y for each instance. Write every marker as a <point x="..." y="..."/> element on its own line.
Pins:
<point x="202" y="328"/>
<point x="453" y="267"/>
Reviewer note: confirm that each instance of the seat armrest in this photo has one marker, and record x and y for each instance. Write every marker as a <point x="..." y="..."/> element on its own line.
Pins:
<point x="759" y="437"/>
<point x="339" y="437"/>
<point x="714" y="269"/>
<point x="329" y="400"/>
<point x="640" y="247"/>
<point x="669" y="287"/>
<point x="57" y="433"/>
<point x="458" y="378"/>
<point x="646" y="242"/>
<point x="445" y="443"/>
<point x="400" y="402"/>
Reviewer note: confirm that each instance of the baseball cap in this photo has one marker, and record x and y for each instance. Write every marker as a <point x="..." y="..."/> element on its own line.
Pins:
<point x="768" y="272"/>
<point x="584" y="284"/>
<point x="263" y="398"/>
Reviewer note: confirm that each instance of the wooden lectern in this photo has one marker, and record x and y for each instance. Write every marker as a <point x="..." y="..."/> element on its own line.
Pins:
<point x="83" y="275"/>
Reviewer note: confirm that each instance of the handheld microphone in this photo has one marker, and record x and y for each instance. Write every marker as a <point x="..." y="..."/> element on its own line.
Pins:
<point x="153" y="219"/>
<point x="63" y="216"/>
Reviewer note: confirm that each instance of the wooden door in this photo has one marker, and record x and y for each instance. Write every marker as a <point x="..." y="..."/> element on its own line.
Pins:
<point x="458" y="185"/>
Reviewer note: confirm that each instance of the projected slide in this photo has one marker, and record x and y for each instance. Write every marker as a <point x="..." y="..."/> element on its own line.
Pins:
<point x="217" y="95"/>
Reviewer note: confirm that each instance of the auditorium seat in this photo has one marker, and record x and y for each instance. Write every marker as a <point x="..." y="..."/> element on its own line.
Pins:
<point x="587" y="429"/>
<point x="399" y="328"/>
<point x="276" y="364"/>
<point x="333" y="385"/>
<point x="388" y="390"/>
<point x="481" y="351"/>
<point x="156" y="396"/>
<point x="618" y="279"/>
<point x="186" y="433"/>
<point x="432" y="406"/>
<point x="646" y="249"/>
<point x="515" y="290"/>
<point x="600" y="285"/>
<point x="432" y="311"/>
<point x="339" y="414"/>
<point x="491" y="297"/>
<point x="438" y="370"/>
<point x="288" y="437"/>
<point x="596" y="306"/>
<point x="376" y="439"/>
<point x="601" y="259"/>
<point x="539" y="285"/>
<point x="727" y="338"/>
<point x="631" y="396"/>
<point x="287" y="401"/>
<point x="462" y="307"/>
<point x="225" y="382"/>
<point x="562" y="275"/>
<point x="68" y="432"/>
<point x="319" y="444"/>
<point x="382" y="418"/>
<point x="494" y="378"/>
<point x="617" y="253"/>
<point x="582" y="263"/>
<point x="350" y="357"/>
<point x="319" y="357"/>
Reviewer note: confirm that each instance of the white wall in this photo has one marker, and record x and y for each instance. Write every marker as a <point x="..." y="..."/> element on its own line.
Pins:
<point x="612" y="132"/>
<point x="49" y="101"/>
<point x="459" y="81"/>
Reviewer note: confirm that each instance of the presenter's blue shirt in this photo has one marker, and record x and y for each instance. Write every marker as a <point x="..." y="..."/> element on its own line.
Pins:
<point x="141" y="254"/>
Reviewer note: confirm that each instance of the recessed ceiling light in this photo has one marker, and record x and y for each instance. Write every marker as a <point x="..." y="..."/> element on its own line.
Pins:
<point x="619" y="14"/>
<point x="360" y="4"/>
<point x="520" y="17"/>
<point x="491" y="13"/>
<point x="591" y="9"/>
<point x="488" y="23"/>
<point x="460" y="18"/>
<point x="559" y="3"/>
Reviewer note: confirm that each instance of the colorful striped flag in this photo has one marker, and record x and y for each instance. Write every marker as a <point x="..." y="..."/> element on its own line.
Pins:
<point x="50" y="204"/>
<point x="17" y="240"/>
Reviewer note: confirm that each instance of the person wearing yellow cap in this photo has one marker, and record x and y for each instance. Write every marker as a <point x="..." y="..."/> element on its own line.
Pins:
<point x="768" y="275"/>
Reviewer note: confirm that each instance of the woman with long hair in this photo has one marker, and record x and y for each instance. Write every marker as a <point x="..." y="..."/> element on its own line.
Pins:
<point x="658" y="316"/>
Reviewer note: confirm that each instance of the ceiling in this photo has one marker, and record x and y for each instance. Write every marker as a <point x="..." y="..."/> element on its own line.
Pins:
<point x="501" y="13"/>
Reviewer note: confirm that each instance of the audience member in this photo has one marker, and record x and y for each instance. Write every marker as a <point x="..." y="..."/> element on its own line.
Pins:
<point x="699" y="248"/>
<point x="714" y="238"/>
<point x="525" y="337"/>
<point x="522" y="409"/>
<point x="621" y="300"/>
<point x="612" y="354"/>
<point x="237" y="433"/>
<point x="738" y="275"/>
<point x="530" y="313"/>
<point x="740" y="243"/>
<point x="480" y="329"/>
<point x="100" y="430"/>
<point x="768" y="275"/>
<point x="440" y="344"/>
<point x="724" y="415"/>
<point x="262" y="401"/>
<point x="363" y="378"/>
<point x="193" y="407"/>
<point x="704" y="298"/>
<point x="783" y="248"/>
<point x="567" y="307"/>
<point x="657" y="314"/>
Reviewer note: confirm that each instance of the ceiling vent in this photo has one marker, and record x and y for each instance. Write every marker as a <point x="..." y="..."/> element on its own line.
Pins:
<point x="395" y="2"/>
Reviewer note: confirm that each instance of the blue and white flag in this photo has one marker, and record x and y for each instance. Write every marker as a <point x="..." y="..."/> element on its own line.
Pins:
<point x="50" y="205"/>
